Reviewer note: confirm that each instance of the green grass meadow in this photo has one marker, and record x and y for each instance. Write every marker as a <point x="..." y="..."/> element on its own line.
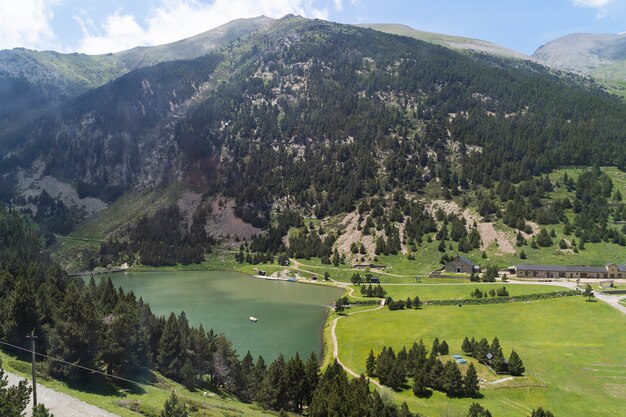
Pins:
<point x="576" y="348"/>
<point x="428" y="292"/>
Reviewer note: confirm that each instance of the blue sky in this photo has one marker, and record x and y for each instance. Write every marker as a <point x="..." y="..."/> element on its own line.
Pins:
<point x="102" y="26"/>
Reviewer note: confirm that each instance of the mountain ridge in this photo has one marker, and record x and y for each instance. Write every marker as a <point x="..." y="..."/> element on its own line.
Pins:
<point x="360" y="111"/>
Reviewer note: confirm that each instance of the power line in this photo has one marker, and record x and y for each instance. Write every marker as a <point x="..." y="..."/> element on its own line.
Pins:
<point x="73" y="364"/>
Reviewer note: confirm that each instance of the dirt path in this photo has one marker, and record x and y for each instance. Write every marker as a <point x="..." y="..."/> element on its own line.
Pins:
<point x="61" y="405"/>
<point x="336" y="344"/>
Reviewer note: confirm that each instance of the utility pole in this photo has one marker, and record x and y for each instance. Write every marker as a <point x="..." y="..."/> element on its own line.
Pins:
<point x="32" y="338"/>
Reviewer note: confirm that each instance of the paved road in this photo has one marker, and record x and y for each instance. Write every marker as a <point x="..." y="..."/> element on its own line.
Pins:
<point x="612" y="300"/>
<point x="61" y="405"/>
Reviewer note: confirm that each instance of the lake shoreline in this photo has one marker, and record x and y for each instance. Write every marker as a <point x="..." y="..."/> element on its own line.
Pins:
<point x="291" y="318"/>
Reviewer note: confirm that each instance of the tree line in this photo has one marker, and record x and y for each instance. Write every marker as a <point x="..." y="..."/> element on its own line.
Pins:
<point x="426" y="371"/>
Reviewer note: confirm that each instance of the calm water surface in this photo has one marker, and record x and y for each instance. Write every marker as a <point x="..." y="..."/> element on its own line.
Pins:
<point x="291" y="315"/>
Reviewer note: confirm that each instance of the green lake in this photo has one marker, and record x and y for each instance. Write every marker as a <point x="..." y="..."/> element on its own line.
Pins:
<point x="290" y="315"/>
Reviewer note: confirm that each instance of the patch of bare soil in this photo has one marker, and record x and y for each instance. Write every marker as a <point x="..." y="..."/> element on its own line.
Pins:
<point x="352" y="234"/>
<point x="188" y="203"/>
<point x="534" y="226"/>
<point x="31" y="183"/>
<point x="488" y="233"/>
<point x="223" y="224"/>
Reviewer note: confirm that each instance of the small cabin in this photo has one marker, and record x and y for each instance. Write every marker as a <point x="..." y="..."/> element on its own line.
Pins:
<point x="461" y="265"/>
<point x="375" y="280"/>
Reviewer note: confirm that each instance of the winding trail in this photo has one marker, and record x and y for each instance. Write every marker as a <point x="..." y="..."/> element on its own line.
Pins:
<point x="59" y="404"/>
<point x="336" y="344"/>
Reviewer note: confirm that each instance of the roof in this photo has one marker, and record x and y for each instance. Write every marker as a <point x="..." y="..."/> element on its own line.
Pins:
<point x="464" y="260"/>
<point x="621" y="268"/>
<point x="561" y="268"/>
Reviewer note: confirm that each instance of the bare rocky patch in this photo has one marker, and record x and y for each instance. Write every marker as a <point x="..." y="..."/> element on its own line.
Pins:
<point x="488" y="233"/>
<point x="223" y="224"/>
<point x="31" y="183"/>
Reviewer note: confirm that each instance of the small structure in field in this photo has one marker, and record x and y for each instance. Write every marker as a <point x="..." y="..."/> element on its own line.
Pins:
<point x="461" y="265"/>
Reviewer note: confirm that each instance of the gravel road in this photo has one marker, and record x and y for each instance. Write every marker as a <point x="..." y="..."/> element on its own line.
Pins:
<point x="61" y="405"/>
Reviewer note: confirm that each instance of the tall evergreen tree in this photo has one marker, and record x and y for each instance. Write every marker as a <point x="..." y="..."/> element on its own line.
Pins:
<point x="516" y="366"/>
<point x="471" y="382"/>
<point x="370" y="364"/>
<point x="170" y="358"/>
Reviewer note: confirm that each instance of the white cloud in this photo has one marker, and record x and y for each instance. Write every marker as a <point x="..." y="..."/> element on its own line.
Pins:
<point x="338" y="5"/>
<point x="25" y="23"/>
<point x="592" y="3"/>
<point x="604" y="8"/>
<point x="172" y="20"/>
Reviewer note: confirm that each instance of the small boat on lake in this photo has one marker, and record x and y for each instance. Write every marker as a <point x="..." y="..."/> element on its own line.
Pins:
<point x="254" y="319"/>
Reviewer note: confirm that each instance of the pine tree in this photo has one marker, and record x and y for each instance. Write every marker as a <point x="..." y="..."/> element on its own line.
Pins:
<point x="540" y="412"/>
<point x="370" y="364"/>
<point x="174" y="408"/>
<point x="384" y="365"/>
<point x="470" y="382"/>
<point x="312" y="377"/>
<point x="516" y="366"/>
<point x="434" y="351"/>
<point x="421" y="382"/>
<point x="296" y="383"/>
<point x="188" y="376"/>
<point x="272" y="393"/>
<point x="404" y="411"/>
<point x="248" y="388"/>
<point x="170" y="349"/>
<point x="443" y="348"/>
<point x="41" y="411"/>
<point x="13" y="400"/>
<point x="477" y="410"/>
<point x="452" y="380"/>
<point x="467" y="346"/>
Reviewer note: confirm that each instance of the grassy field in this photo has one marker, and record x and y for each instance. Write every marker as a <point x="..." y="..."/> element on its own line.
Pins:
<point x="149" y="397"/>
<point x="446" y="292"/>
<point x="575" y="347"/>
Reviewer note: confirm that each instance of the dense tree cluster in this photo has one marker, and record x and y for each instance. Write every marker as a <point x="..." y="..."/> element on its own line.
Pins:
<point x="500" y="292"/>
<point x="427" y="371"/>
<point x="492" y="355"/>
<point x="165" y="239"/>
<point x="392" y="304"/>
<point x="311" y="243"/>
<point x="373" y="291"/>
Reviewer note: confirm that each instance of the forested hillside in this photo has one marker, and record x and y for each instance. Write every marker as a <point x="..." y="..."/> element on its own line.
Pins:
<point x="317" y="117"/>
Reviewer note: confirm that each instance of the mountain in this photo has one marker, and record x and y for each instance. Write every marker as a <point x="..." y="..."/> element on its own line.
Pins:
<point x="306" y="118"/>
<point x="31" y="80"/>
<point x="599" y="56"/>
<point x="455" y="42"/>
